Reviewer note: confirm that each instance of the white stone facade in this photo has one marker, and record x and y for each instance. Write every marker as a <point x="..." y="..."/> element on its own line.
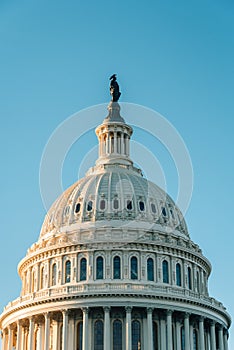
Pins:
<point x="114" y="267"/>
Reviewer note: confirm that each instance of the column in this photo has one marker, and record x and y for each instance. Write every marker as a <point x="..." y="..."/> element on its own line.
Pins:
<point x="178" y="335"/>
<point x="71" y="338"/>
<point x="128" y="326"/>
<point x="169" y="329"/>
<point x="3" y="340"/>
<point x="150" y="328"/>
<point x="85" y="328"/>
<point x="186" y="331"/>
<point x="19" y="335"/>
<point x="127" y="145"/>
<point x="201" y="334"/>
<point x="39" y="337"/>
<point x="106" y="328"/>
<point x="24" y="338"/>
<point x="191" y="336"/>
<point x="163" y="333"/>
<point x="31" y="334"/>
<point x="10" y="338"/>
<point x="115" y="141"/>
<point x="47" y="331"/>
<point x="212" y="335"/>
<point x="221" y="347"/>
<point x="122" y="143"/>
<point x="65" y="324"/>
<point x="225" y="339"/>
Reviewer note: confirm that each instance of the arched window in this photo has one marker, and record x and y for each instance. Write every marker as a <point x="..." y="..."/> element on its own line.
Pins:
<point x="98" y="335"/>
<point x="153" y="208"/>
<point x="195" y="340"/>
<point x="129" y="204"/>
<point x="77" y="208"/>
<point x="150" y="269"/>
<point x="102" y="204"/>
<point x="198" y="282"/>
<point x="189" y="278"/>
<point x="136" y="335"/>
<point x="117" y="268"/>
<point x="134" y="268"/>
<point x="178" y="275"/>
<point x="99" y="268"/>
<point x="54" y="275"/>
<point x="116" y="204"/>
<point x="83" y="269"/>
<point x="117" y="335"/>
<point x="68" y="271"/>
<point x="79" y="335"/>
<point x="89" y="206"/>
<point x="155" y="336"/>
<point x="141" y="206"/>
<point x="165" y="271"/>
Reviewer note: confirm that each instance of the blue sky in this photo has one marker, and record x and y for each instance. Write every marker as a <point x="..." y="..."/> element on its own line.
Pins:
<point x="175" y="57"/>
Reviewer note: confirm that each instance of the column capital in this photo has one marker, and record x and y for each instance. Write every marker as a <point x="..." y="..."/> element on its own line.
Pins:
<point x="220" y="327"/>
<point x="128" y="309"/>
<point x="150" y="310"/>
<point x="187" y="315"/>
<point x="106" y="309"/>
<point x="169" y="312"/>
<point x="85" y="310"/>
<point x="46" y="314"/>
<point x="65" y="312"/>
<point x="212" y="323"/>
<point x="201" y="318"/>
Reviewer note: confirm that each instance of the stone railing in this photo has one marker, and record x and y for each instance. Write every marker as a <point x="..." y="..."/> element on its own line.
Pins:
<point x="113" y="288"/>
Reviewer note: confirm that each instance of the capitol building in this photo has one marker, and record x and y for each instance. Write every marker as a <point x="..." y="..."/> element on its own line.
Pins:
<point x="114" y="267"/>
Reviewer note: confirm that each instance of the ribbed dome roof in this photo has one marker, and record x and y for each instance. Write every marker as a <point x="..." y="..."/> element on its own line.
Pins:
<point x="118" y="193"/>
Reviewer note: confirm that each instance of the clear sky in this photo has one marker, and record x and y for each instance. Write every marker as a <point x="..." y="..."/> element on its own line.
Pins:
<point x="175" y="57"/>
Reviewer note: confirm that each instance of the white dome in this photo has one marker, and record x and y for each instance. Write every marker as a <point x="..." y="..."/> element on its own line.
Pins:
<point x="117" y="193"/>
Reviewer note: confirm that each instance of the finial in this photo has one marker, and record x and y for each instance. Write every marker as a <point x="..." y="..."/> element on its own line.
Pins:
<point x="114" y="89"/>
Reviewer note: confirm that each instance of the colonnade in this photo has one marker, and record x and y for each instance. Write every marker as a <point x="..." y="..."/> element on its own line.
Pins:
<point x="175" y="331"/>
<point x="114" y="142"/>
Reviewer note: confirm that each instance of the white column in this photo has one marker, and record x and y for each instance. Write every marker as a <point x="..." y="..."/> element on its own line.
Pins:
<point x="150" y="328"/>
<point x="225" y="338"/>
<point x="127" y="145"/>
<point x="212" y="335"/>
<point x="122" y="143"/>
<point x="106" y="328"/>
<point x="31" y="334"/>
<point x="163" y="333"/>
<point x="115" y="141"/>
<point x="24" y="338"/>
<point x="47" y="331"/>
<point x="39" y="337"/>
<point x="65" y="324"/>
<point x="128" y="327"/>
<point x="9" y="346"/>
<point x="178" y="335"/>
<point x="221" y="347"/>
<point x="191" y="336"/>
<point x="201" y="334"/>
<point x="85" y="341"/>
<point x="3" y="340"/>
<point x="186" y="331"/>
<point x="169" y="329"/>
<point x="19" y="335"/>
<point x="71" y="338"/>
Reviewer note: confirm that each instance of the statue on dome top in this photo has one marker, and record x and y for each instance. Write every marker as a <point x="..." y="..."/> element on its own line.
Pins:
<point x="114" y="89"/>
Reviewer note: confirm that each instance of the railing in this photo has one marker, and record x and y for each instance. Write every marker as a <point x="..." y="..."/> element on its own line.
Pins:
<point x="114" y="288"/>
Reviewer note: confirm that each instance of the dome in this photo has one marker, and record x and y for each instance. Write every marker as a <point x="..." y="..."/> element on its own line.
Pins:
<point x="116" y="194"/>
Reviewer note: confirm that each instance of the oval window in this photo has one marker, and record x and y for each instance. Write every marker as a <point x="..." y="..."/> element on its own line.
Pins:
<point x="153" y="208"/>
<point x="116" y="203"/>
<point x="129" y="204"/>
<point x="141" y="206"/>
<point x="164" y="211"/>
<point x="77" y="208"/>
<point x="102" y="204"/>
<point x="90" y="206"/>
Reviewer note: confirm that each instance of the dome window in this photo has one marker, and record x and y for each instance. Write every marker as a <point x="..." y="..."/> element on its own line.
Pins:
<point x="150" y="269"/>
<point x="141" y="206"/>
<point x="172" y="214"/>
<point x="153" y="208"/>
<point x="134" y="268"/>
<point x="116" y="204"/>
<point x="165" y="271"/>
<point x="117" y="268"/>
<point x="102" y="204"/>
<point x="129" y="204"/>
<point x="89" y="206"/>
<point x="83" y="269"/>
<point x="164" y="212"/>
<point x="68" y="271"/>
<point x="99" y="268"/>
<point x="77" y="208"/>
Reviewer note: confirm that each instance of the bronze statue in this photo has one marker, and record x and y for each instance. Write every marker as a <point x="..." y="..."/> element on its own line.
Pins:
<point x="114" y="88"/>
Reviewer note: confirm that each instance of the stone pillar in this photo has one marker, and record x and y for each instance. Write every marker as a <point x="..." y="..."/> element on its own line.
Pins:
<point x="122" y="143"/>
<point x="19" y="335"/>
<point x="150" y="328"/>
<point x="163" y="333"/>
<point x="10" y="338"/>
<point x="115" y="141"/>
<point x="3" y="340"/>
<point x="186" y="331"/>
<point x="225" y="339"/>
<point x="201" y="334"/>
<point x="178" y="335"/>
<point x="31" y="334"/>
<point x="106" y="328"/>
<point x="85" y="342"/>
<point x="191" y="336"/>
<point x="128" y="326"/>
<point x="212" y="336"/>
<point x="221" y="345"/>
<point x="39" y="337"/>
<point x="71" y="338"/>
<point x="169" y="329"/>
<point x="127" y="145"/>
<point x="47" y="331"/>
<point x="65" y="324"/>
